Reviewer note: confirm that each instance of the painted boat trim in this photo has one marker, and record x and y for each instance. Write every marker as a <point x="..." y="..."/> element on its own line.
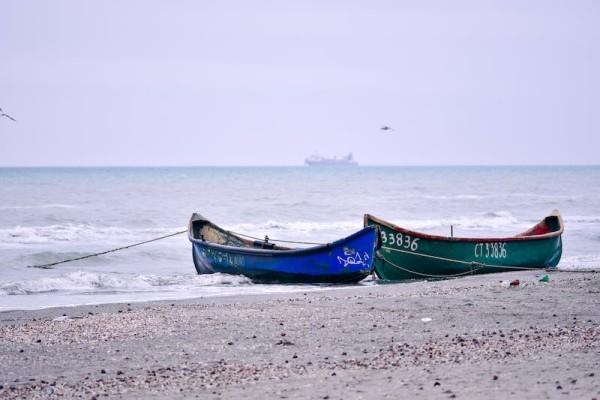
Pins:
<point x="520" y="237"/>
<point x="286" y="252"/>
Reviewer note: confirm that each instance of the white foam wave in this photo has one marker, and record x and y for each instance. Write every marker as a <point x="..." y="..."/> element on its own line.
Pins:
<point x="580" y="262"/>
<point x="485" y="221"/>
<point x="77" y="232"/>
<point x="582" y="219"/>
<point x="490" y="221"/>
<point x="286" y="229"/>
<point x="297" y="226"/>
<point x="85" y="281"/>
<point x="452" y="197"/>
<point x="38" y="206"/>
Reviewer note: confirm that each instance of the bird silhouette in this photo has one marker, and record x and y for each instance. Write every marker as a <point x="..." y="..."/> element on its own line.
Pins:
<point x="386" y="128"/>
<point x="3" y="114"/>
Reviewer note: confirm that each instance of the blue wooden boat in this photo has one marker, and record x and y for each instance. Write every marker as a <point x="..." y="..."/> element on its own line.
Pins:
<point x="344" y="261"/>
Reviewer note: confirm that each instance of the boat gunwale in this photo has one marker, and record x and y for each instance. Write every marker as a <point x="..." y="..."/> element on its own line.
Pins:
<point x="516" y="238"/>
<point x="270" y="252"/>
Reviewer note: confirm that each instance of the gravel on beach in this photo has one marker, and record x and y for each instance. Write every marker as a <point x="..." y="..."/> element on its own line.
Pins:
<point x="464" y="338"/>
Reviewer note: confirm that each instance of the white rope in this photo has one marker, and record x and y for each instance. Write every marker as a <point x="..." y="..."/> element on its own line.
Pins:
<point x="274" y="240"/>
<point x="428" y="275"/>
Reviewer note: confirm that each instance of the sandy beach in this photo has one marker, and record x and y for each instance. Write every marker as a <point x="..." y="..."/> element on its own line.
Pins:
<point x="463" y="338"/>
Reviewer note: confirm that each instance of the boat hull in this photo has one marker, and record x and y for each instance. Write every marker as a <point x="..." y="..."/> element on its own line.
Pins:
<point x="405" y="256"/>
<point x="344" y="261"/>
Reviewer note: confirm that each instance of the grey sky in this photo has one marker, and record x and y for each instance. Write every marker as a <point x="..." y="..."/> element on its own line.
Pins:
<point x="270" y="82"/>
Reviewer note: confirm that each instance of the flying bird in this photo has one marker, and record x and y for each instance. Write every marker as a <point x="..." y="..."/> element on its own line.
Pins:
<point x="3" y="114"/>
<point x="386" y="128"/>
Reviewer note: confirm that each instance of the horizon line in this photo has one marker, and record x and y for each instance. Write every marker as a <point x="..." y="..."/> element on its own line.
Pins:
<point x="295" y="166"/>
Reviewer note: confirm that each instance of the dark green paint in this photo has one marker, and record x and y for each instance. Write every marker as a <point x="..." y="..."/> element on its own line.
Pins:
<point x="457" y="256"/>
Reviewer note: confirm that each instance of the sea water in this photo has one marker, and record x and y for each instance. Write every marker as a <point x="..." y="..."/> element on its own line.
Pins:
<point x="50" y="214"/>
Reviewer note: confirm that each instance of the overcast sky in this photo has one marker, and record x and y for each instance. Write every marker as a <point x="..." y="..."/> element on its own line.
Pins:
<point x="270" y="82"/>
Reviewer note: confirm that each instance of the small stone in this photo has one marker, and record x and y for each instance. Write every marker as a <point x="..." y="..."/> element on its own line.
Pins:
<point x="344" y="353"/>
<point x="436" y="383"/>
<point x="119" y="372"/>
<point x="39" y="341"/>
<point x="558" y="387"/>
<point x="495" y="377"/>
<point x="229" y="343"/>
<point x="102" y="371"/>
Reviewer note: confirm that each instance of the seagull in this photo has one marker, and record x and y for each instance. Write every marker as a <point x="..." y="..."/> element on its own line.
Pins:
<point x="2" y="114"/>
<point x="386" y="128"/>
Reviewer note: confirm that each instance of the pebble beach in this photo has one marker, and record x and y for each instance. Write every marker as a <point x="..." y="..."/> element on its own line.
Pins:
<point x="465" y="338"/>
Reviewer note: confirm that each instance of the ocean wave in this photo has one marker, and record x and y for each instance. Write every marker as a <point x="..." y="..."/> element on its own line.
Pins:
<point x="482" y="221"/>
<point x="452" y="197"/>
<point x="297" y="226"/>
<point x="85" y="281"/>
<point x="78" y="232"/>
<point x="580" y="262"/>
<point x="582" y="219"/>
<point x="39" y="206"/>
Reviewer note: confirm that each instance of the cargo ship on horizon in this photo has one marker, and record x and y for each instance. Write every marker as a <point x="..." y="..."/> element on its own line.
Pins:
<point x="318" y="161"/>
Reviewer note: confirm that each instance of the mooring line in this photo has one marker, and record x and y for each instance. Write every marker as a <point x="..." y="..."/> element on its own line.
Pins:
<point x="50" y="265"/>
<point x="275" y="240"/>
<point x="470" y="263"/>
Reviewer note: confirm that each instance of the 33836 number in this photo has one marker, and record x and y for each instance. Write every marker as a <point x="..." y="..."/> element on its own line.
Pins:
<point x="399" y="240"/>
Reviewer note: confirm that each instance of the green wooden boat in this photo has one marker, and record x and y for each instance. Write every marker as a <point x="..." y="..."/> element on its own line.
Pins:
<point x="406" y="254"/>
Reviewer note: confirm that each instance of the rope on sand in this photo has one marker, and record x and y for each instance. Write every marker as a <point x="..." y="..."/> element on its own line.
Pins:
<point x="50" y="265"/>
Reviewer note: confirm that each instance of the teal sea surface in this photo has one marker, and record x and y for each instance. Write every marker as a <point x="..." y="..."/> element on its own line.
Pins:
<point x="50" y="214"/>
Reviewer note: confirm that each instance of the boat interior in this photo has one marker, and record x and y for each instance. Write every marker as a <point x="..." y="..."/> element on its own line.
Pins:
<point x="550" y="224"/>
<point x="206" y="231"/>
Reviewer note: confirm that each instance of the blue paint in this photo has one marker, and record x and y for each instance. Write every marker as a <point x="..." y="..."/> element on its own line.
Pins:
<point x="343" y="261"/>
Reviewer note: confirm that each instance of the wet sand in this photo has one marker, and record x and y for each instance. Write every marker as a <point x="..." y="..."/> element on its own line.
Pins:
<point x="537" y="340"/>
